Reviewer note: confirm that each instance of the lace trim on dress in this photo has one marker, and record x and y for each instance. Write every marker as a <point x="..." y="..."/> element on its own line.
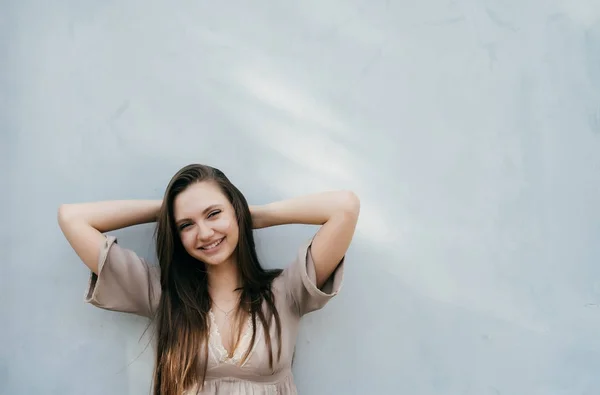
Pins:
<point x="216" y="340"/>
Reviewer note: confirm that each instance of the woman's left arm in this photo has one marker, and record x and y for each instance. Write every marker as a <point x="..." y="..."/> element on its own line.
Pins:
<point x="337" y="212"/>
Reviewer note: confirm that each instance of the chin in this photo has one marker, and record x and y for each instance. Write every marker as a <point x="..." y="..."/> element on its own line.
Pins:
<point x="211" y="261"/>
<point x="214" y="260"/>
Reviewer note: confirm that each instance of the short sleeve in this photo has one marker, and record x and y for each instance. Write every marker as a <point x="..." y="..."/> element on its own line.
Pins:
<point x="125" y="282"/>
<point x="299" y="281"/>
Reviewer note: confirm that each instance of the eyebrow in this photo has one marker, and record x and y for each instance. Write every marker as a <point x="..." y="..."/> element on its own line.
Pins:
<point x="206" y="210"/>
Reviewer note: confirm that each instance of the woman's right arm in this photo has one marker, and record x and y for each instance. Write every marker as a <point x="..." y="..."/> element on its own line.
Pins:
<point x="83" y="223"/>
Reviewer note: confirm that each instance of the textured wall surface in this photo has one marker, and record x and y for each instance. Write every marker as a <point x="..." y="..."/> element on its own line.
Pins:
<point x="470" y="130"/>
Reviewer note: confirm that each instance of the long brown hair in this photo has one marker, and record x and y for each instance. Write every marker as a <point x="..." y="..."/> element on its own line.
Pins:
<point x="181" y="318"/>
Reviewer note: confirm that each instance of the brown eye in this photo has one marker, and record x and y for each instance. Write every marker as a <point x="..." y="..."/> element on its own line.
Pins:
<point x="214" y="213"/>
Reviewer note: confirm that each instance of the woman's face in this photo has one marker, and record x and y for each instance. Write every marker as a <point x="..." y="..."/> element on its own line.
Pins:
<point x="206" y="222"/>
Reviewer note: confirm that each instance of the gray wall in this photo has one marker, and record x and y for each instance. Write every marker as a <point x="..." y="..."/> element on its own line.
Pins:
<point x="470" y="129"/>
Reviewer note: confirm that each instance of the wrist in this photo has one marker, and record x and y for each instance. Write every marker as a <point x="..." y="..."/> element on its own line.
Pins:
<point x="258" y="217"/>
<point x="157" y="207"/>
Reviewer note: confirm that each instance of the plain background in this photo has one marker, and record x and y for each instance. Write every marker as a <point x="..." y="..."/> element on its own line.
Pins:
<point x="470" y="130"/>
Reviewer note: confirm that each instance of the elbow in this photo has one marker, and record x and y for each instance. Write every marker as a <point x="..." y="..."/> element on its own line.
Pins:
<point x="350" y="203"/>
<point x="64" y="214"/>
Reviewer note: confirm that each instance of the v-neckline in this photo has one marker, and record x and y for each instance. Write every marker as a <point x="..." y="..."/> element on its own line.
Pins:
<point x="217" y="341"/>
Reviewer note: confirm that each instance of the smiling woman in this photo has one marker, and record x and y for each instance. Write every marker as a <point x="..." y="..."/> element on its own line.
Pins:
<point x="224" y="323"/>
<point x="206" y="223"/>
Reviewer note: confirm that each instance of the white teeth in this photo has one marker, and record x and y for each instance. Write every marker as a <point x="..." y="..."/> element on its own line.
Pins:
<point x="213" y="245"/>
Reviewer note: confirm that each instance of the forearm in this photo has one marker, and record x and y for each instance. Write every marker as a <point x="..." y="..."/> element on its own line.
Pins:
<point x="315" y="209"/>
<point x="106" y="216"/>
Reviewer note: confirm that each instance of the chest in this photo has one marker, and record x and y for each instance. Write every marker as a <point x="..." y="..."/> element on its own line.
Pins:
<point x="250" y="357"/>
<point x="228" y="342"/>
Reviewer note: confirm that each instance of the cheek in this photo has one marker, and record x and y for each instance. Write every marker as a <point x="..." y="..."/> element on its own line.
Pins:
<point x="188" y="239"/>
<point x="229" y="227"/>
<point x="224" y="225"/>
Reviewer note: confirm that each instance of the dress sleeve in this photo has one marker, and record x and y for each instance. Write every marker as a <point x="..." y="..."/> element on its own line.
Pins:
<point x="299" y="281"/>
<point x="125" y="282"/>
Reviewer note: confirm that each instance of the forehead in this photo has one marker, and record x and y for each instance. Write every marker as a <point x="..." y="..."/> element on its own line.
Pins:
<point x="196" y="198"/>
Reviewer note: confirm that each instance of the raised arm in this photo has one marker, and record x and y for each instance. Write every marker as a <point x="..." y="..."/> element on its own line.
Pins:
<point x="83" y="223"/>
<point x="337" y="212"/>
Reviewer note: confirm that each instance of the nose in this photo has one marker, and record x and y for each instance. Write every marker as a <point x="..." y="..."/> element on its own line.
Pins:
<point x="205" y="233"/>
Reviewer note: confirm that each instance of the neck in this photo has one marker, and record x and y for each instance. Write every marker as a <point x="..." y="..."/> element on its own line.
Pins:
<point x="224" y="278"/>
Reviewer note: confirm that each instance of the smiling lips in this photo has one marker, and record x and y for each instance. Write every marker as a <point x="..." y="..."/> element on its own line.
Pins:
<point x="212" y="246"/>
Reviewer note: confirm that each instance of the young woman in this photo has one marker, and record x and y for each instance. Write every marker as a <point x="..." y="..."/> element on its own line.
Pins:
<point x="223" y="323"/>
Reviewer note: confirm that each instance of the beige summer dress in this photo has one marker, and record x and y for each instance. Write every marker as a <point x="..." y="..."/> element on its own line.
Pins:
<point x="122" y="285"/>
